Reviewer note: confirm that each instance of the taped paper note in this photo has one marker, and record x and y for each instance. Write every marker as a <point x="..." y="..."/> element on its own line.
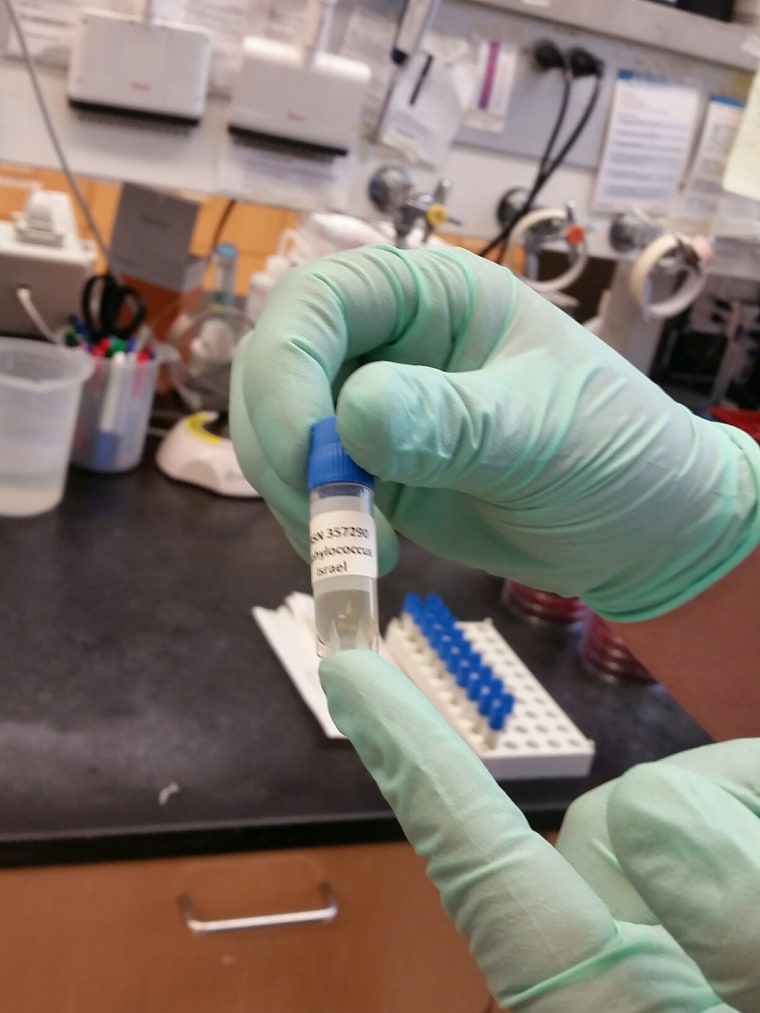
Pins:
<point x="496" y="66"/>
<point x="742" y="174"/>
<point x="285" y="178"/>
<point x="704" y="185"/>
<point x="648" y="142"/>
<point x="429" y="100"/>
<point x="369" y="39"/>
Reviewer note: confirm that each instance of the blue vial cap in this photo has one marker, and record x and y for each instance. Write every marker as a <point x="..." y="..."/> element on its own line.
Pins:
<point x="437" y="605"/>
<point x="434" y="633"/>
<point x="497" y="716"/>
<point x="228" y="251"/>
<point x="484" y="700"/>
<point x="443" y="643"/>
<point x="411" y="603"/>
<point x="473" y="687"/>
<point x="328" y="460"/>
<point x="464" y="673"/>
<point x="487" y="672"/>
<point x="502" y="705"/>
<point x="451" y="657"/>
<point x="458" y="637"/>
<point x="434" y="639"/>
<point x="427" y="625"/>
<point x="471" y="654"/>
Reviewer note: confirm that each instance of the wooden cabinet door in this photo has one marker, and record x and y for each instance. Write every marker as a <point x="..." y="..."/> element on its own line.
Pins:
<point x="111" y="938"/>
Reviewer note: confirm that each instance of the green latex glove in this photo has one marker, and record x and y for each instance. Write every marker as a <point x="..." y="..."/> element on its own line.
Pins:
<point x="503" y="434"/>
<point x="654" y="905"/>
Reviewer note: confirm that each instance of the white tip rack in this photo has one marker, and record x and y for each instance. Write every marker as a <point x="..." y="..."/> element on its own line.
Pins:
<point x="539" y="741"/>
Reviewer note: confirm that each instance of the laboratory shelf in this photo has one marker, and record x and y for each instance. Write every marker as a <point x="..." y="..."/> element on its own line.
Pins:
<point x="671" y="29"/>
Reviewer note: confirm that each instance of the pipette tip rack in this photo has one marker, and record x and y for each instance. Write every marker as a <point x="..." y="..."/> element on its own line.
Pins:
<point x="486" y="693"/>
<point x="533" y="738"/>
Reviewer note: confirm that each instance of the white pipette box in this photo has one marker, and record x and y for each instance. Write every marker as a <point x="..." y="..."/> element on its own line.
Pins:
<point x="539" y="741"/>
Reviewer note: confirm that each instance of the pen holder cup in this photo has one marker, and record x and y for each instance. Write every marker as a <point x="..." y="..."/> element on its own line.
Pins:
<point x="113" y="414"/>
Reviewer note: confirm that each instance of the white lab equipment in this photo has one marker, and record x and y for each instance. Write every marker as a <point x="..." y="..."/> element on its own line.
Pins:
<point x="198" y="449"/>
<point x="150" y="68"/>
<point x="194" y="452"/>
<point x="662" y="274"/>
<point x="541" y="227"/>
<point x="320" y="233"/>
<point x="47" y="219"/>
<point x="214" y="345"/>
<point x="301" y="95"/>
<point x="41" y="253"/>
<point x="40" y="387"/>
<point x="682" y="257"/>
<point x="262" y="283"/>
<point x="315" y="235"/>
<point x="343" y="543"/>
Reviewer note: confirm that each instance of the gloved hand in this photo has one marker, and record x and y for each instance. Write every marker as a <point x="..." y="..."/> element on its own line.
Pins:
<point x="650" y="901"/>
<point x="503" y="434"/>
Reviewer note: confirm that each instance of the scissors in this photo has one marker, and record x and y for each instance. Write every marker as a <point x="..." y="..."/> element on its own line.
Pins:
<point x="110" y="309"/>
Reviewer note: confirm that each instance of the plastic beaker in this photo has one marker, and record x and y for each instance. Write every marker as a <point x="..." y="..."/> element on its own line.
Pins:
<point x="40" y="387"/>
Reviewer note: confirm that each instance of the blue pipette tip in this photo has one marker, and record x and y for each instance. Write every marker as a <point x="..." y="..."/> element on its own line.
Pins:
<point x="464" y="672"/>
<point x="451" y="657"/>
<point x="502" y="704"/>
<point x="484" y="701"/>
<point x="458" y="637"/>
<point x="474" y="686"/>
<point x="496" y="717"/>
<point x="412" y="604"/>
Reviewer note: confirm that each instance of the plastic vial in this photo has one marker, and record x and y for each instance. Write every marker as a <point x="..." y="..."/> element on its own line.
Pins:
<point x="343" y="545"/>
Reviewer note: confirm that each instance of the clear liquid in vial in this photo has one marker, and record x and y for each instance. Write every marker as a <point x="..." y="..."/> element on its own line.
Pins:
<point x="346" y="617"/>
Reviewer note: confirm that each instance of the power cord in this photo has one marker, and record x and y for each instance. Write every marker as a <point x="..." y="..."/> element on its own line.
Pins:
<point x="575" y="64"/>
<point x="547" y="56"/>
<point x="229" y="207"/>
<point x="24" y="296"/>
<point x="53" y="134"/>
<point x="557" y="58"/>
<point x="596" y="70"/>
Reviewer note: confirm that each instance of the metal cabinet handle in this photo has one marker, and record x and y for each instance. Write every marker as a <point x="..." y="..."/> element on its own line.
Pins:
<point x="201" y="927"/>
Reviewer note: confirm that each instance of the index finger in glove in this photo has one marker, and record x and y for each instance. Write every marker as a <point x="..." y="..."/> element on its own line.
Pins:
<point x="528" y="915"/>
<point x="338" y="308"/>
<point x="290" y="506"/>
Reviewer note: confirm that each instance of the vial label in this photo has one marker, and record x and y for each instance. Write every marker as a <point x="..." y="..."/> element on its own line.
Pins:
<point x="343" y="544"/>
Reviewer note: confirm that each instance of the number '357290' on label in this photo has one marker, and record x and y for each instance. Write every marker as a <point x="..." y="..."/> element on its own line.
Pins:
<point x="342" y="545"/>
